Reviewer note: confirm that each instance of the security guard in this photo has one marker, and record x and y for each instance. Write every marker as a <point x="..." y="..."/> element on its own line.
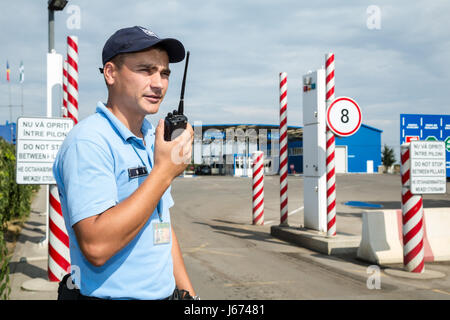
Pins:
<point x="114" y="172"/>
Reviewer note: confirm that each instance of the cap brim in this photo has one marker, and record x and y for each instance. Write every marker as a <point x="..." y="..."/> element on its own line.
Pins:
<point x="174" y="48"/>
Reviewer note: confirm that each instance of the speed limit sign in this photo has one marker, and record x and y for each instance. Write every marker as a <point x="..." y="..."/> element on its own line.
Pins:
<point x="344" y="116"/>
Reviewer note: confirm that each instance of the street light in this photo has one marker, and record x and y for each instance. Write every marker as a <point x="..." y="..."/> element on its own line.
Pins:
<point x="53" y="5"/>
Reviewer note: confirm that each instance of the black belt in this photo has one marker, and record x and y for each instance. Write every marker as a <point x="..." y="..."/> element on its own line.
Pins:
<point x="64" y="293"/>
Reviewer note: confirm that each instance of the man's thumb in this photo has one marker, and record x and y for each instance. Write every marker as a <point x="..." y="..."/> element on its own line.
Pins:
<point x="160" y="129"/>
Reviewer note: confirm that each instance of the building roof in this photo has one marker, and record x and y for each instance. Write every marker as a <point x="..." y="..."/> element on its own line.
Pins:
<point x="294" y="132"/>
<point x="371" y="128"/>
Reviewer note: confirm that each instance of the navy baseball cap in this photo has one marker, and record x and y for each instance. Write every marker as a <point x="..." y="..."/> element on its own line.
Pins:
<point x="137" y="38"/>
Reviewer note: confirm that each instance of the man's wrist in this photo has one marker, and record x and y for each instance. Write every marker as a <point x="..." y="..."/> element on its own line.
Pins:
<point x="160" y="174"/>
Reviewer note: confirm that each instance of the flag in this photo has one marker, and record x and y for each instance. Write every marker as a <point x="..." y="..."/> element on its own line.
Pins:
<point x="7" y="71"/>
<point x="22" y="73"/>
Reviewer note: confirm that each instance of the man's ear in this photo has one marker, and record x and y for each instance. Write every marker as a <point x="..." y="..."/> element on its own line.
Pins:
<point x="109" y="72"/>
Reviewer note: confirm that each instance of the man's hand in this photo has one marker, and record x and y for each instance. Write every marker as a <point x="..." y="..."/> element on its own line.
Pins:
<point x="172" y="157"/>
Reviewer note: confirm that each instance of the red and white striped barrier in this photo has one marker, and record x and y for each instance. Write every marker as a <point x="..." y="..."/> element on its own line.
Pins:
<point x="412" y="213"/>
<point x="330" y="152"/>
<point x="283" y="150"/>
<point x="58" y="246"/>
<point x="72" y="78"/>
<point x="258" y="188"/>
<point x="64" y="109"/>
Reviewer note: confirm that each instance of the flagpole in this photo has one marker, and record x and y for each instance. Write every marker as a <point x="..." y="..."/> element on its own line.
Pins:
<point x="21" y="80"/>
<point x="21" y="95"/>
<point x="10" y="105"/>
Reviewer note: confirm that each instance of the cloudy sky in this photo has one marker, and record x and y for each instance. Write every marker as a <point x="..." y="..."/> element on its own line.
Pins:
<point x="238" y="49"/>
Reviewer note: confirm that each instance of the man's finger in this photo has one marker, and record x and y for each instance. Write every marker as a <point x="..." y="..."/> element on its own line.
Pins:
<point x="159" y="131"/>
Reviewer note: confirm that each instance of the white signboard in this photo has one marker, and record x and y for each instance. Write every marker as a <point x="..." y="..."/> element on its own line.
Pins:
<point x="38" y="141"/>
<point x="428" y="172"/>
<point x="344" y="116"/>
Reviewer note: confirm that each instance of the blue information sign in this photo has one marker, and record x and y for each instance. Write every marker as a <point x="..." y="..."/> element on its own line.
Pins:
<point x="426" y="127"/>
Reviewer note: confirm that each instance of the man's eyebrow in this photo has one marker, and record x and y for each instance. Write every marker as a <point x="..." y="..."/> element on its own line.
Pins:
<point x="152" y="67"/>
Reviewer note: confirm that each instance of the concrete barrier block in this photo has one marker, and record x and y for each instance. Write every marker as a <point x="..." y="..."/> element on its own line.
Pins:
<point x="437" y="223"/>
<point x="382" y="239"/>
<point x="380" y="243"/>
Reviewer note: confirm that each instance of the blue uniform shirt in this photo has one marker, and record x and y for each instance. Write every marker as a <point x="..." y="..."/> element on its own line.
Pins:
<point x="91" y="170"/>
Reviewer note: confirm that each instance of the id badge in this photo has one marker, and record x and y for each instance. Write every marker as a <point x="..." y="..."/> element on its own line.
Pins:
<point x="161" y="233"/>
<point x="137" y="172"/>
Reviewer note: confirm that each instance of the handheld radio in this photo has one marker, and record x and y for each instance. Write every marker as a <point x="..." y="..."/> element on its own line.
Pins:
<point x="176" y="122"/>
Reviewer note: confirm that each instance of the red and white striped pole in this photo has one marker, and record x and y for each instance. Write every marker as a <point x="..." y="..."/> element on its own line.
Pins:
<point x="283" y="150"/>
<point x="72" y="78"/>
<point x="258" y="188"/>
<point x="64" y="109"/>
<point x="58" y="246"/>
<point x="331" y="173"/>
<point x="412" y="217"/>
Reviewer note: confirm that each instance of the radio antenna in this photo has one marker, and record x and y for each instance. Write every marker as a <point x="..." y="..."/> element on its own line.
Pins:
<point x="181" y="105"/>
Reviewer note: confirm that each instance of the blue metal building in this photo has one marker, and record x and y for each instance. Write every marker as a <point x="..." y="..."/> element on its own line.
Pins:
<point x="363" y="150"/>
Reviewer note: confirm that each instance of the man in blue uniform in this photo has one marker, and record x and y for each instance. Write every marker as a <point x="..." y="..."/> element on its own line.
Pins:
<point x="114" y="172"/>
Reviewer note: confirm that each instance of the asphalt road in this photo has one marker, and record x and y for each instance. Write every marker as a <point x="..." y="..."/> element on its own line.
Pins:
<point x="228" y="258"/>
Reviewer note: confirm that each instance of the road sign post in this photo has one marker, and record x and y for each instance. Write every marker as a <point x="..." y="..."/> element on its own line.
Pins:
<point x="344" y="116"/>
<point x="38" y="142"/>
<point x="423" y="172"/>
<point x="412" y="218"/>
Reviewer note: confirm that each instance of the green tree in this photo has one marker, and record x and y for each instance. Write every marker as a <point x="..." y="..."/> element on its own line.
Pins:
<point x="15" y="203"/>
<point x="387" y="156"/>
<point x="5" y="288"/>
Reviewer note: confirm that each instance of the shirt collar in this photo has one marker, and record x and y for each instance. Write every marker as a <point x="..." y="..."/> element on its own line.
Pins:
<point x="125" y="133"/>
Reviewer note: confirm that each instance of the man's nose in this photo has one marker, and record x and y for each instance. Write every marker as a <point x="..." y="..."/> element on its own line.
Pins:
<point x="156" y="81"/>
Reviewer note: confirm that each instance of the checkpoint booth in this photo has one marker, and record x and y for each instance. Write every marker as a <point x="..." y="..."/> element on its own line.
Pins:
<point x="228" y="148"/>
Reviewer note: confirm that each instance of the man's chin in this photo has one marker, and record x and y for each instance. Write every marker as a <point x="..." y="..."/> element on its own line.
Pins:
<point x="151" y="108"/>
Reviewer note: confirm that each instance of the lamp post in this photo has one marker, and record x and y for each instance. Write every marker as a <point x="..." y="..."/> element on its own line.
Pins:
<point x="53" y="5"/>
<point x="53" y="63"/>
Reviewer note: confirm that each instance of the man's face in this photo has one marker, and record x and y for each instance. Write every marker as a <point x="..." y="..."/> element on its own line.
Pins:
<point x="140" y="84"/>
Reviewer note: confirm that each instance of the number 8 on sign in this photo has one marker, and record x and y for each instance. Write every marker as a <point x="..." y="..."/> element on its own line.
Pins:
<point x="344" y="116"/>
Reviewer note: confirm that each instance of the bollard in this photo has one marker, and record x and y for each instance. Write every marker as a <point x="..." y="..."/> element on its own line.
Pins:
<point x="412" y="219"/>
<point x="72" y="78"/>
<point x="258" y="188"/>
<point x="58" y="246"/>
<point x="64" y="108"/>
<point x="330" y="152"/>
<point x="283" y="150"/>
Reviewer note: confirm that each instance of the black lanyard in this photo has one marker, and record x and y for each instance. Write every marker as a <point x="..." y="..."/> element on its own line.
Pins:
<point x="158" y="207"/>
